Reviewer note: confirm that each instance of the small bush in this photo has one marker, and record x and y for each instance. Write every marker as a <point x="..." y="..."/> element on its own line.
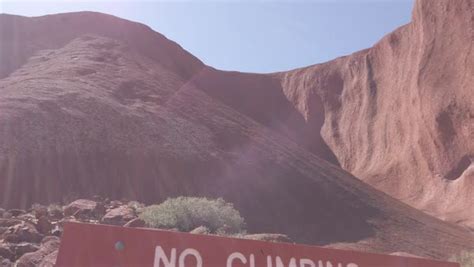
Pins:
<point x="466" y="259"/>
<point x="188" y="213"/>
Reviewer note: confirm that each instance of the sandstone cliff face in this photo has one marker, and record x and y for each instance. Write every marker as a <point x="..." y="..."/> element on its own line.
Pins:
<point x="89" y="110"/>
<point x="400" y="115"/>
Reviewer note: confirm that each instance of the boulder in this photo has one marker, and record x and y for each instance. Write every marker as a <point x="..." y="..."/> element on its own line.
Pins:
<point x="5" y="262"/>
<point x="20" y="231"/>
<point x="27" y="217"/>
<point x="84" y="208"/>
<point x="114" y="204"/>
<point x="201" y="230"/>
<point x="6" y="253"/>
<point x="13" y="251"/>
<point x="41" y="257"/>
<point x="50" y="243"/>
<point x="22" y="248"/>
<point x="49" y="260"/>
<point x="9" y="222"/>
<point x="119" y="216"/>
<point x="32" y="259"/>
<point x="16" y="212"/>
<point x="137" y="222"/>
<point x="39" y="211"/>
<point x="44" y="225"/>
<point x="5" y="224"/>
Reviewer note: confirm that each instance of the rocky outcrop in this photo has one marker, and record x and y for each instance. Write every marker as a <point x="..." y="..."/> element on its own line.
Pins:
<point x="119" y="216"/>
<point x="399" y="115"/>
<point x="31" y="238"/>
<point x="36" y="250"/>
<point x="43" y="256"/>
<point x="19" y="231"/>
<point x="6" y="253"/>
<point x="84" y="208"/>
<point x="5" y="262"/>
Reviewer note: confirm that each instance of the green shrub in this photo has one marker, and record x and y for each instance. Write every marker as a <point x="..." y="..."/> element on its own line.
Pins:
<point x="466" y="259"/>
<point x="188" y="213"/>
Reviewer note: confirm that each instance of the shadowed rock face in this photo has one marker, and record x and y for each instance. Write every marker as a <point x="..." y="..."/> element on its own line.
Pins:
<point x="118" y="110"/>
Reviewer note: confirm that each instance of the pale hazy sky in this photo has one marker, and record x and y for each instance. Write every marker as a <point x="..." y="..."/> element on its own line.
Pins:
<point x="253" y="36"/>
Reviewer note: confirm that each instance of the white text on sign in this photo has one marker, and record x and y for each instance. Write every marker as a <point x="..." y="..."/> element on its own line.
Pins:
<point x="173" y="259"/>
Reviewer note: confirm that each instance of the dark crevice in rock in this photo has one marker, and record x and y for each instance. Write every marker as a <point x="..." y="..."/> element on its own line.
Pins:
<point x="459" y="168"/>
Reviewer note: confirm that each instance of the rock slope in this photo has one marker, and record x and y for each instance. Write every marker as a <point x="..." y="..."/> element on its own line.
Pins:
<point x="94" y="105"/>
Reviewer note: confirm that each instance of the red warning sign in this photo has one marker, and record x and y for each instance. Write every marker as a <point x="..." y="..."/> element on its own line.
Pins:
<point x="101" y="245"/>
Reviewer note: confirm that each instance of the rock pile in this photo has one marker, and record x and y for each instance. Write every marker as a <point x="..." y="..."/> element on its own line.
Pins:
<point x="30" y="238"/>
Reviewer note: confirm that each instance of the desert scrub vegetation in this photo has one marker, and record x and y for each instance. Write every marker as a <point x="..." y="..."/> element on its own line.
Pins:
<point x="188" y="213"/>
<point x="466" y="259"/>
